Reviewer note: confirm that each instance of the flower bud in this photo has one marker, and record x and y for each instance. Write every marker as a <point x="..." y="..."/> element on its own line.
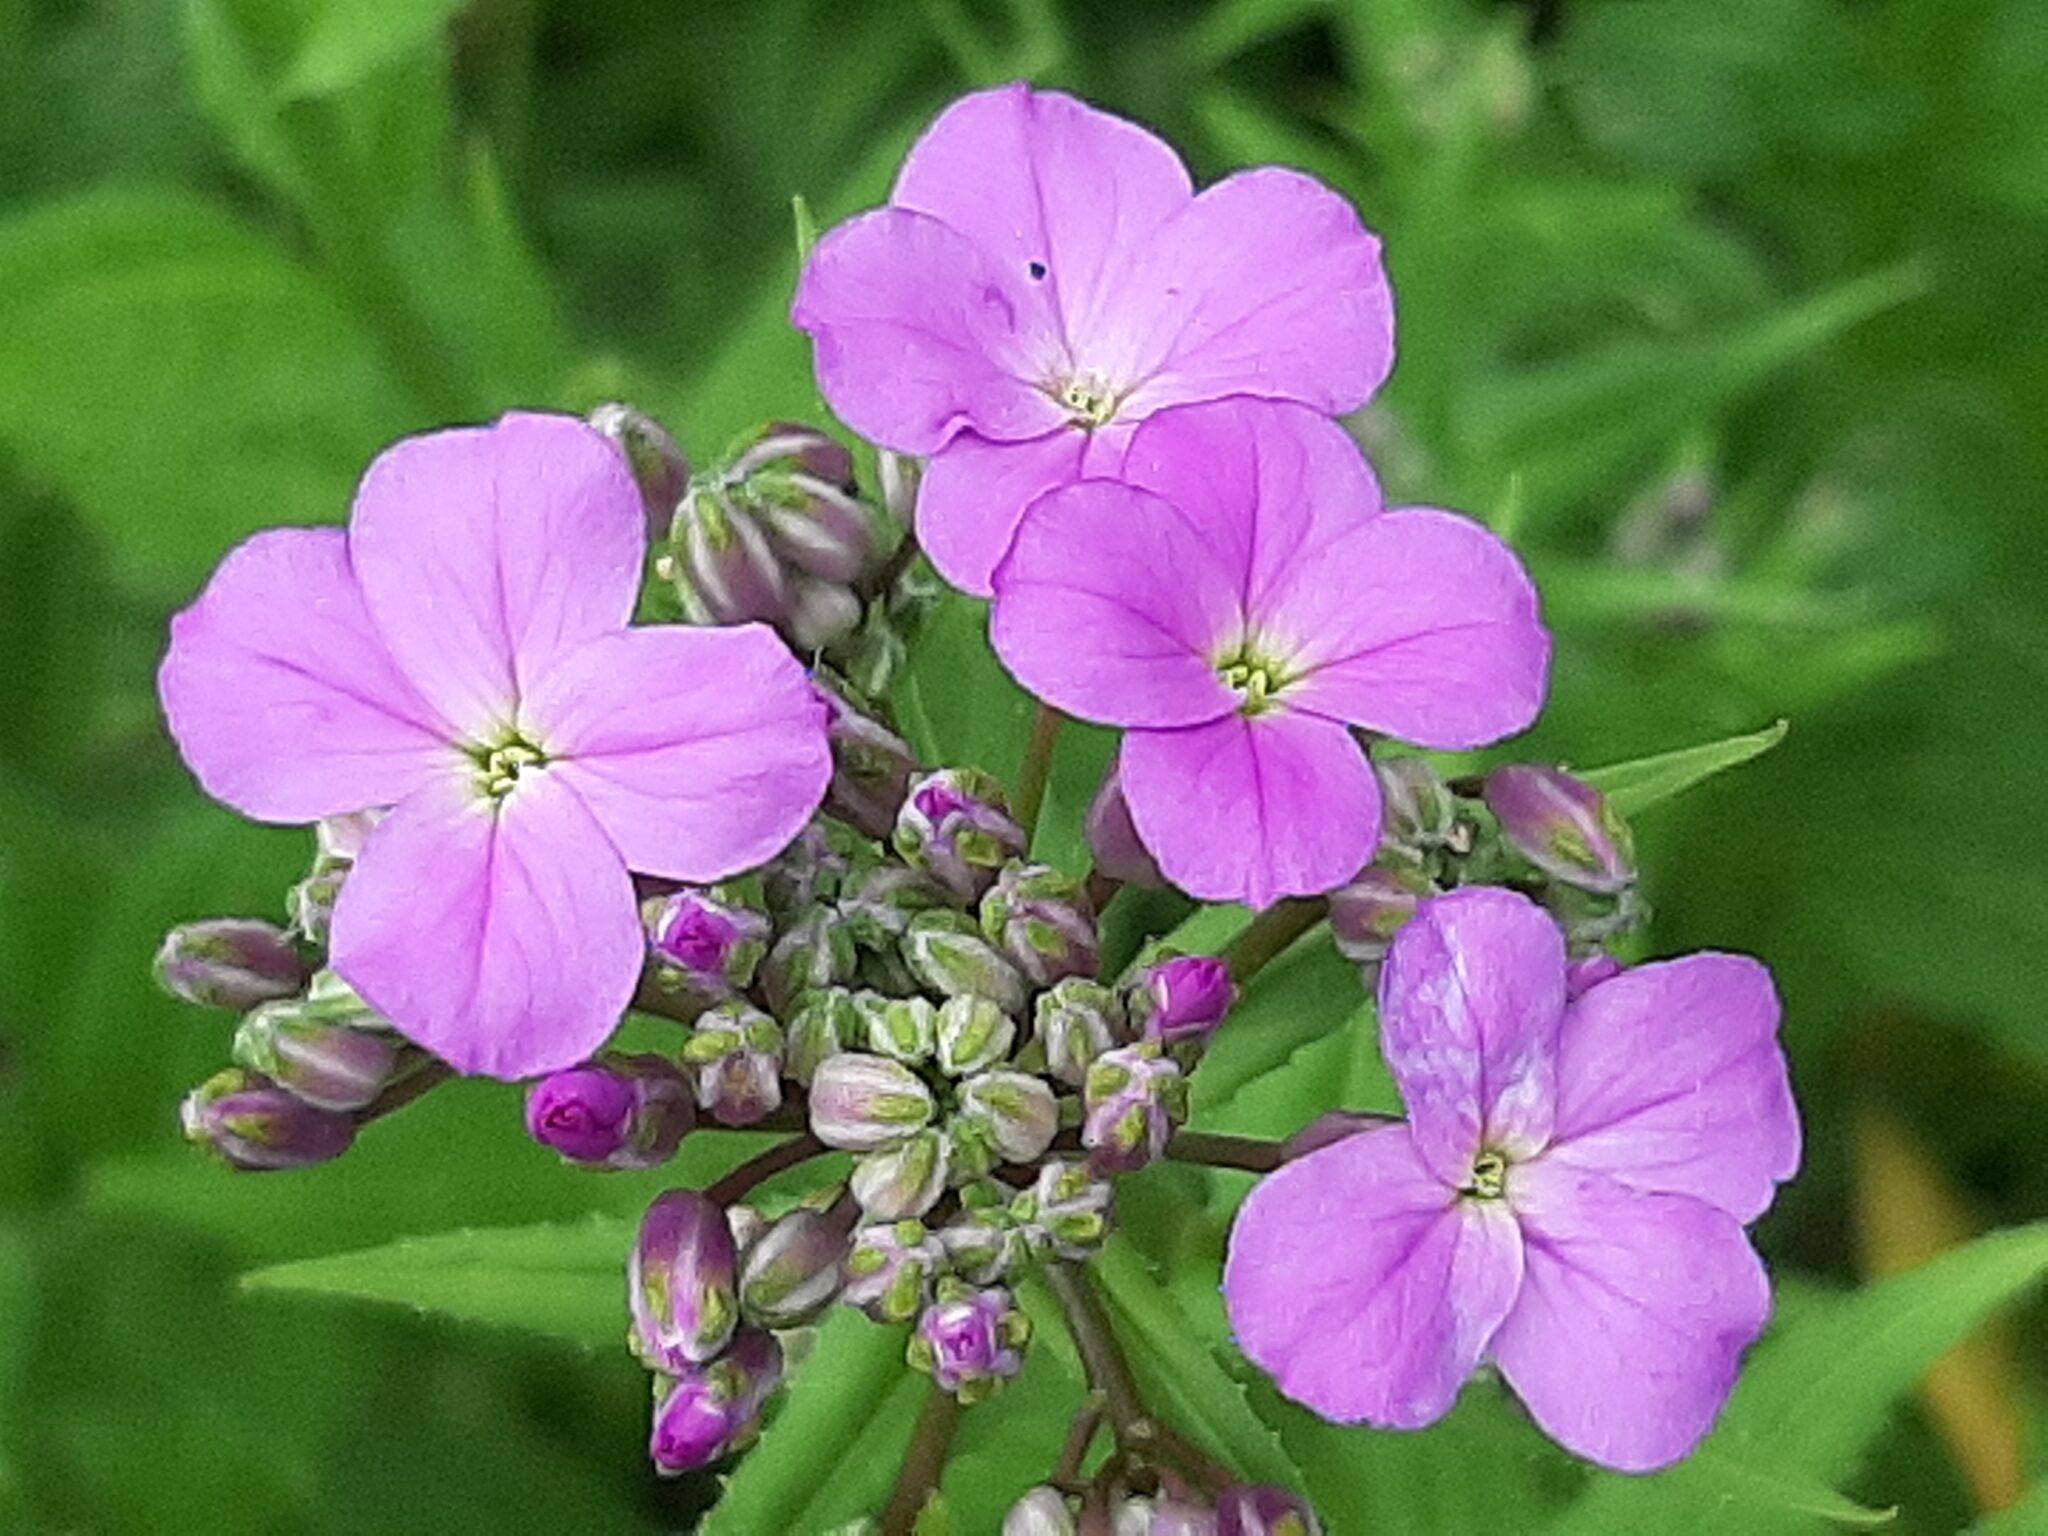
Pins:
<point x="816" y="950"/>
<point x="799" y="483"/>
<point x="1366" y="914"/>
<point x="971" y="1343"/>
<point x="703" y="1413"/>
<point x="1073" y="1208"/>
<point x="736" y="1052"/>
<point x="657" y="461"/>
<point x="1184" y="998"/>
<point x="904" y="1029"/>
<point x="258" y="1127"/>
<point x="1016" y="1115"/>
<point x="985" y="1242"/>
<point x="947" y="953"/>
<point x="889" y="1269"/>
<point x="1564" y="826"/>
<point x="1113" y="837"/>
<point x="824" y="1022"/>
<point x="791" y="1273"/>
<point x="808" y="871"/>
<point x="1133" y="1097"/>
<point x="747" y="1226"/>
<point x="860" y="1103"/>
<point x="612" y="1112"/>
<point x="721" y="564"/>
<point x="879" y="904"/>
<point x="1164" y="1516"/>
<point x="871" y="768"/>
<point x="1074" y="1022"/>
<point x="325" y="1062"/>
<point x="1418" y="811"/>
<point x="1584" y="975"/>
<point x="1043" y="922"/>
<point x="709" y="946"/>
<point x="955" y="826"/>
<point x="1041" y="1512"/>
<point x="230" y="962"/>
<point x="905" y="1180"/>
<point x="821" y="615"/>
<point x="682" y="1280"/>
<point x="972" y="1034"/>
<point x="1249" y="1510"/>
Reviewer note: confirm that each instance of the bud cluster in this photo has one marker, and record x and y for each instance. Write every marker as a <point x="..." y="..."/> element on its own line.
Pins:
<point x="1175" y="1509"/>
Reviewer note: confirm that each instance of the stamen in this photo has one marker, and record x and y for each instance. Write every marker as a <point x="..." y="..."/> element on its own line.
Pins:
<point x="1489" y="1177"/>
<point x="499" y="767"/>
<point x="1088" y="400"/>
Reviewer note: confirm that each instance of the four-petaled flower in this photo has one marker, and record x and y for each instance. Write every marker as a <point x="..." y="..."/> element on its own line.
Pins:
<point x="1236" y="602"/>
<point x="1567" y="1197"/>
<point x="461" y="654"/>
<point x="1046" y="277"/>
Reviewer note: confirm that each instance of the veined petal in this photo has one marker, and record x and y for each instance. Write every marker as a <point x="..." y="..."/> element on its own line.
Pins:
<point x="1470" y="999"/>
<point x="1266" y="284"/>
<point x="1634" y="1313"/>
<point x="485" y="553"/>
<point x="1112" y="607"/>
<point x="505" y="939"/>
<point x="1053" y="191"/>
<point x="280" y="693"/>
<point x="1419" y="624"/>
<point x="701" y="752"/>
<point x="1366" y="1288"/>
<point x="1253" y="808"/>
<point x="917" y="340"/>
<point x="1670" y="1077"/>
<point x="974" y="493"/>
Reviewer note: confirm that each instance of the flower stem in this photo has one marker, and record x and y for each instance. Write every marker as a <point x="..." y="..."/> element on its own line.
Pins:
<point x="901" y="558"/>
<point x="1109" y="1373"/>
<point x="1036" y="771"/>
<point x="1267" y="936"/>
<point x="763" y="1166"/>
<point x="1252" y="1153"/>
<point x="924" y="1463"/>
<point x="1101" y="888"/>
<point x="414" y="1084"/>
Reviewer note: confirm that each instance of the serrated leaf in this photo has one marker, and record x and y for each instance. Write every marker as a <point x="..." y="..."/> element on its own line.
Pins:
<point x="565" y="1281"/>
<point x="1635" y="786"/>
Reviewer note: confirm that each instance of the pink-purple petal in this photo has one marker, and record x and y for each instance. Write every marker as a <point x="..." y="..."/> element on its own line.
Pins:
<point x="1366" y="1288"/>
<point x="484" y="553"/>
<point x="973" y="495"/>
<point x="1052" y="191"/>
<point x="917" y="340"/>
<point x="701" y="752"/>
<point x="1471" y="996"/>
<point x="1112" y="607"/>
<point x="280" y="693"/>
<point x="1670" y="1077"/>
<point x="1634" y="1312"/>
<point x="504" y="939"/>
<point x="1266" y="284"/>
<point x="1252" y="809"/>
<point x="1420" y="625"/>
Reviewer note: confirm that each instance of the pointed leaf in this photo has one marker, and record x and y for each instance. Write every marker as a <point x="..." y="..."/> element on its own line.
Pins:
<point x="1637" y="785"/>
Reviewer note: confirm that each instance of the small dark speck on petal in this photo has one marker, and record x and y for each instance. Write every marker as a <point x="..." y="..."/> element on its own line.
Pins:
<point x="1036" y="269"/>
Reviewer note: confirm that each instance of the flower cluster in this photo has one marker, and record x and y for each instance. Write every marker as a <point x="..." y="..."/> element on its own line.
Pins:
<point x="535" y="815"/>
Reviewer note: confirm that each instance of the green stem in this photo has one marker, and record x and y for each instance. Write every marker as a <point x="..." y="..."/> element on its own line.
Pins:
<point x="1269" y="934"/>
<point x="1036" y="772"/>
<point x="901" y="558"/>
<point x="1253" y="1154"/>
<point x="924" y="1464"/>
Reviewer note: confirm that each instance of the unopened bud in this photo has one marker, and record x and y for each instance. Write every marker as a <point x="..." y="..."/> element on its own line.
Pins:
<point x="889" y="1270"/>
<point x="703" y="1413"/>
<point x="1073" y="1208"/>
<point x="1113" y="837"/>
<point x="613" y="1112"/>
<point x="1418" y="812"/>
<point x="971" y="1343"/>
<point x="735" y="1051"/>
<point x="816" y="950"/>
<point x="955" y="826"/>
<point x="1043" y="921"/>
<point x="791" y="1274"/>
<point x="230" y="962"/>
<point x="947" y="953"/>
<point x="800" y="484"/>
<point x="337" y="841"/>
<point x="720" y="562"/>
<point x="325" y="1062"/>
<point x="871" y="768"/>
<point x="657" y="461"/>
<point x="1016" y="1115"/>
<point x="1183" y="998"/>
<point x="259" y="1127"/>
<point x="860" y="1103"/>
<point x="879" y="904"/>
<point x="1074" y="1022"/>
<point x="1247" y="1510"/>
<point x="902" y="1181"/>
<point x="972" y="1034"/>
<point x="682" y="1281"/>
<point x="904" y="1029"/>
<point x="821" y="614"/>
<point x="983" y="1246"/>
<point x="708" y="945"/>
<point x="1041" y="1512"/>
<point x="1366" y="914"/>
<point x="1133" y="1098"/>
<point x="1167" y="1515"/>
<point x="824" y="1022"/>
<point x="1564" y="826"/>
<point x="808" y="871"/>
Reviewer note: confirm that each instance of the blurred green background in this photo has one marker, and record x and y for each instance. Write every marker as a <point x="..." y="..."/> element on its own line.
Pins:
<point x="1733" y="315"/>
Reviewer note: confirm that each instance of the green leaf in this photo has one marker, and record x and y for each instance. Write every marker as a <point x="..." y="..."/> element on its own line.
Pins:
<point x="2029" y="1517"/>
<point x="565" y="1281"/>
<point x="352" y="39"/>
<point x="1635" y="786"/>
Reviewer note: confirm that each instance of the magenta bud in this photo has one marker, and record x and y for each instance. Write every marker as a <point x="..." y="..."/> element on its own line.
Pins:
<point x="323" y="1060"/>
<point x="871" y="768"/>
<point x="972" y="1342"/>
<point x="614" y="1112"/>
<point x="1564" y="826"/>
<point x="713" y="945"/>
<point x="955" y="826"/>
<point x="258" y="1127"/>
<point x="230" y="962"/>
<point x="656" y="459"/>
<point x="1113" y="837"/>
<point x="1247" y="1510"/>
<point x="1185" y="998"/>
<point x="1043" y="922"/>
<point x="705" y="1412"/>
<point x="1133" y="1098"/>
<point x="1366" y="914"/>
<point x="1584" y="975"/>
<point x="889" y="1269"/>
<point x="682" y="1282"/>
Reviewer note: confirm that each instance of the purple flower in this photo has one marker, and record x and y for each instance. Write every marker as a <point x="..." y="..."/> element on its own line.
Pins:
<point x="1566" y="1199"/>
<point x="1045" y="278"/>
<point x="614" y="1112"/>
<point x="971" y="1342"/>
<point x="705" y="1412"/>
<point x="1237" y="606"/>
<point x="461" y="654"/>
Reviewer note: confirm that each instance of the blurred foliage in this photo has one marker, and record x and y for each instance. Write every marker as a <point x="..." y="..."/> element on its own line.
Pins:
<point x="1733" y="316"/>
